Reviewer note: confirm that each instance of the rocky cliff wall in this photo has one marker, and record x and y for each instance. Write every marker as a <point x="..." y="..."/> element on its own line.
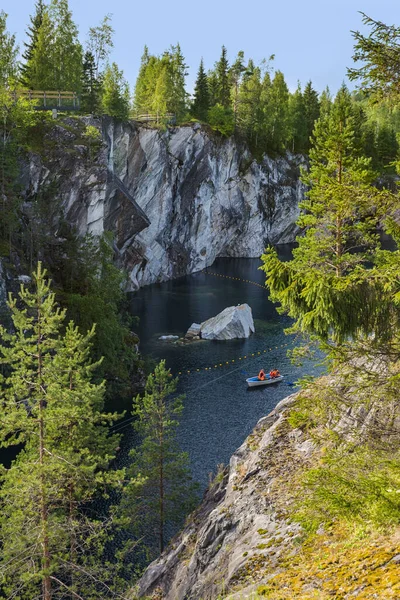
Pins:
<point x="175" y="200"/>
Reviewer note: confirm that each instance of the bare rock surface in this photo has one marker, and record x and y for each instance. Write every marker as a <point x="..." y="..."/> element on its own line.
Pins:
<point x="174" y="200"/>
<point x="238" y="527"/>
<point x="233" y="322"/>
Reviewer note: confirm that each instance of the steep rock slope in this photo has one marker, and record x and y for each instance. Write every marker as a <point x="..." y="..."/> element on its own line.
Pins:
<point x="243" y="544"/>
<point x="175" y="199"/>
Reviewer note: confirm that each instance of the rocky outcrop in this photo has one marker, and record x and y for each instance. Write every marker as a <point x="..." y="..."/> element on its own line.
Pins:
<point x="240" y="526"/>
<point x="175" y="200"/>
<point x="232" y="323"/>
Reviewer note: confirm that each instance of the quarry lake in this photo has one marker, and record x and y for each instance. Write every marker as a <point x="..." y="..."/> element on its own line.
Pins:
<point x="219" y="410"/>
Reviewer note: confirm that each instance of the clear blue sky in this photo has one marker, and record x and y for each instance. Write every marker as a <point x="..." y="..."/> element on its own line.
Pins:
<point x="311" y="39"/>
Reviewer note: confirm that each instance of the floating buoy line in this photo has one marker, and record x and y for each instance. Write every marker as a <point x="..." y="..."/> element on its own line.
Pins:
<point x="240" y="358"/>
<point x="237" y="279"/>
<point x="233" y="360"/>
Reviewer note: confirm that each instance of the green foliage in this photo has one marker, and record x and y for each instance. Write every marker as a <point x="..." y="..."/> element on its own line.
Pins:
<point x="221" y="119"/>
<point x="115" y="100"/>
<point x="380" y="54"/>
<point x="327" y="287"/>
<point x="8" y="53"/>
<point x="160" y="491"/>
<point x="51" y="406"/>
<point x="93" y="294"/>
<point x="160" y="86"/>
<point x="352" y="484"/>
<point x="223" y="96"/>
<point x="201" y="99"/>
<point x="53" y="60"/>
<point x="33" y="34"/>
<point x="90" y="85"/>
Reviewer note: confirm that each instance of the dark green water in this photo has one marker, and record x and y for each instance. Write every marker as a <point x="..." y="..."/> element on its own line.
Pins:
<point x="219" y="411"/>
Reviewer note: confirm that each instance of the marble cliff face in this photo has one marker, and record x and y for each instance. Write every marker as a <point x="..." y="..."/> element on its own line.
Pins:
<point x="175" y="200"/>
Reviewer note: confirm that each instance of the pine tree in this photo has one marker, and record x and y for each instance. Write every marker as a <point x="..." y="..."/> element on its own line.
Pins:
<point x="223" y="84"/>
<point x="325" y="102"/>
<point x="32" y="33"/>
<point x="201" y="99"/>
<point x="52" y="408"/>
<point x="160" y="492"/>
<point x="115" y="100"/>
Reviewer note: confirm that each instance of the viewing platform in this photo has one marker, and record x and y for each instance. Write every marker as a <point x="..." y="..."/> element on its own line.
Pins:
<point x="49" y="100"/>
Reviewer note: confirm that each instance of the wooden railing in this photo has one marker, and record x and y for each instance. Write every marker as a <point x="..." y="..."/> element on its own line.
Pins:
<point x="153" y="118"/>
<point x="50" y="99"/>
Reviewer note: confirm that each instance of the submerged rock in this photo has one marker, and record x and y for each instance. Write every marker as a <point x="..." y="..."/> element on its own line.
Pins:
<point x="233" y="322"/>
<point x="166" y="338"/>
<point x="193" y="333"/>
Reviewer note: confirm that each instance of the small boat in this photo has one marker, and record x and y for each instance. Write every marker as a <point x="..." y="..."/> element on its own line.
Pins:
<point x="255" y="382"/>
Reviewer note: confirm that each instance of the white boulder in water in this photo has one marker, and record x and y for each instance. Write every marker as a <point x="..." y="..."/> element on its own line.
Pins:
<point x="233" y="322"/>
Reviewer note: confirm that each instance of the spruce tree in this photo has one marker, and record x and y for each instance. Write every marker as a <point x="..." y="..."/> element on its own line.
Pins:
<point x="41" y="64"/>
<point x="177" y="71"/>
<point x="311" y="110"/>
<point x="298" y="137"/>
<point x="160" y="492"/>
<point x="223" y="83"/>
<point x="33" y="34"/>
<point x="91" y="85"/>
<point x="52" y="408"/>
<point x="201" y="99"/>
<point x="325" y="286"/>
<point x="235" y="73"/>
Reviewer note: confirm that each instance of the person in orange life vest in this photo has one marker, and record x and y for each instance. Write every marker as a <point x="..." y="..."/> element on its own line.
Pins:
<point x="261" y="375"/>
<point x="274" y="373"/>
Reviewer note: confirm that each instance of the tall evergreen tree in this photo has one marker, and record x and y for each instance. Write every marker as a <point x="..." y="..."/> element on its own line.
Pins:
<point x="212" y="81"/>
<point x="177" y="71"/>
<point x="298" y="137"/>
<point x="143" y="90"/>
<point x="91" y="85"/>
<point x="41" y="64"/>
<point x="325" y="287"/>
<point x="201" y="99"/>
<point x="311" y="110"/>
<point x="223" y="83"/>
<point x="115" y="95"/>
<point x="32" y="33"/>
<point x="52" y="408"/>
<point x="160" y="492"/>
